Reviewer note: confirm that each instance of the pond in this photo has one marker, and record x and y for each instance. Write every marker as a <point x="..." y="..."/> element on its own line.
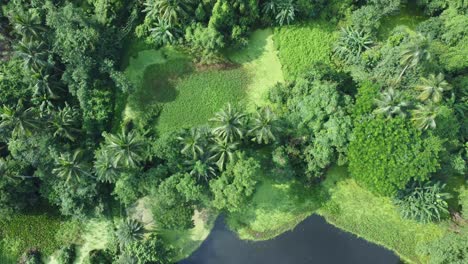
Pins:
<point x="312" y="241"/>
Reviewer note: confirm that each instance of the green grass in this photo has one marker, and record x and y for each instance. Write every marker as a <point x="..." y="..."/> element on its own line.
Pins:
<point x="25" y="231"/>
<point x="200" y="95"/>
<point x="300" y="46"/>
<point x="259" y="58"/>
<point x="189" y="96"/>
<point x="375" y="219"/>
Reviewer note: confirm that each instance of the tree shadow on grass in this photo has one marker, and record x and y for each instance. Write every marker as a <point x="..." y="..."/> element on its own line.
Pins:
<point x="159" y="83"/>
<point x="255" y="48"/>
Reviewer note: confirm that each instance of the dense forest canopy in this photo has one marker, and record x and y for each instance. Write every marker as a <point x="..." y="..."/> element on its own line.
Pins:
<point x="389" y="103"/>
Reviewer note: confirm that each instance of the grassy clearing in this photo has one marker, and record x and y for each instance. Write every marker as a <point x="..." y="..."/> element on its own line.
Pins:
<point x="24" y="231"/>
<point x="375" y="219"/>
<point x="200" y="95"/>
<point x="302" y="45"/>
<point x="188" y="96"/>
<point x="260" y="58"/>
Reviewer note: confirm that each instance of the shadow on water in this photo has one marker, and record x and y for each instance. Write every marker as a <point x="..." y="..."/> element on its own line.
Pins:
<point x="312" y="241"/>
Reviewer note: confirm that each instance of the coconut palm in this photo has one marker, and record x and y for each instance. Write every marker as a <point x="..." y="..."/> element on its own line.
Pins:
<point x="264" y="125"/>
<point x="42" y="87"/>
<point x="286" y="12"/>
<point x="192" y="143"/>
<point x="33" y="53"/>
<point x="64" y="122"/>
<point x="71" y="167"/>
<point x="415" y="53"/>
<point x="424" y="116"/>
<point x="223" y="152"/>
<point x="351" y="44"/>
<point x="230" y="124"/>
<point x="127" y="149"/>
<point x="104" y="167"/>
<point x="129" y="230"/>
<point x="27" y="24"/>
<point x="391" y="104"/>
<point x="432" y="88"/>
<point x="171" y="11"/>
<point x="20" y="121"/>
<point x="163" y="32"/>
<point x="202" y="168"/>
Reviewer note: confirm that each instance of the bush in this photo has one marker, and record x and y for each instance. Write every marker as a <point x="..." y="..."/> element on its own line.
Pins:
<point x="205" y="43"/>
<point x="386" y="154"/>
<point x="151" y="250"/>
<point x="99" y="257"/>
<point x="424" y="202"/>
<point x="31" y="256"/>
<point x="450" y="249"/>
<point x="67" y="254"/>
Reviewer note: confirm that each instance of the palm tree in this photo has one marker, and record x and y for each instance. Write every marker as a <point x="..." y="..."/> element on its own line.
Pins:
<point x="171" y="11"/>
<point x="33" y="53"/>
<point x="21" y="121"/>
<point x="433" y="87"/>
<point x="223" y="152"/>
<point x="352" y="44"/>
<point x="391" y="104"/>
<point x="193" y="143"/>
<point x="202" y="168"/>
<point x="129" y="231"/>
<point x="163" y="32"/>
<point x="128" y="149"/>
<point x="424" y="116"/>
<point x="286" y="12"/>
<point x="71" y="167"/>
<point x="27" y="24"/>
<point x="64" y="122"/>
<point x="106" y="170"/>
<point x="230" y="124"/>
<point x="264" y="126"/>
<point x="42" y="87"/>
<point x="414" y="54"/>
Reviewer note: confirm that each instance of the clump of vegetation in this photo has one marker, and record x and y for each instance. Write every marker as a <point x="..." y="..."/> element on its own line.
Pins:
<point x="424" y="203"/>
<point x="67" y="254"/>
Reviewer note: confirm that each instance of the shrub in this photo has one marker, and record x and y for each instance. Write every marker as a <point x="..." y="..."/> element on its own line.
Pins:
<point x="450" y="249"/>
<point x="205" y="43"/>
<point x="99" y="257"/>
<point x="31" y="256"/>
<point x="67" y="254"/>
<point x="386" y="154"/>
<point x="150" y="250"/>
<point x="424" y="202"/>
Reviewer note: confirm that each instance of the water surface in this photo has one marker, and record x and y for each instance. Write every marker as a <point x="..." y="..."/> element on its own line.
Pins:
<point x="312" y="241"/>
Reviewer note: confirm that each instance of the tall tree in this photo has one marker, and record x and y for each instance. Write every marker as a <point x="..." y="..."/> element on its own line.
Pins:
<point x="20" y="121"/>
<point x="415" y="53"/>
<point x="229" y="123"/>
<point x="128" y="149"/>
<point x="424" y="116"/>
<point x="264" y="126"/>
<point x="71" y="167"/>
<point x="433" y="87"/>
<point x="223" y="152"/>
<point x="391" y="103"/>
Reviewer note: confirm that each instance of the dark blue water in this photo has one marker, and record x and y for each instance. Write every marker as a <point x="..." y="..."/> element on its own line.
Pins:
<point x="312" y="241"/>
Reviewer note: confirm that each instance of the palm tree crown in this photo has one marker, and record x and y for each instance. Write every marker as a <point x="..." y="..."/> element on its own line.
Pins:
<point x="415" y="53"/>
<point x="223" y="152"/>
<point x="193" y="143"/>
<point x="351" y="44"/>
<point x="70" y="167"/>
<point x="424" y="116"/>
<point x="129" y="231"/>
<point x="230" y="124"/>
<point x="126" y="148"/>
<point x="264" y="126"/>
<point x="391" y="104"/>
<point x="21" y="121"/>
<point x="433" y="87"/>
